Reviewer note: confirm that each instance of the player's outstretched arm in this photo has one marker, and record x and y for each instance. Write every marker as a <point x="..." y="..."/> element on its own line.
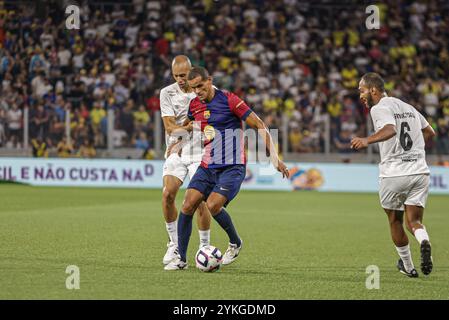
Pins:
<point x="256" y="123"/>
<point x="387" y="132"/>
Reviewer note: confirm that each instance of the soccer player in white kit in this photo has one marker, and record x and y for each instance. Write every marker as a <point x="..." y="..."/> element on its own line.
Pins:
<point x="174" y="101"/>
<point x="400" y="131"/>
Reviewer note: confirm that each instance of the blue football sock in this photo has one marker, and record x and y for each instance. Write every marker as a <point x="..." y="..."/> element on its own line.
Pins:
<point x="224" y="220"/>
<point x="184" y="232"/>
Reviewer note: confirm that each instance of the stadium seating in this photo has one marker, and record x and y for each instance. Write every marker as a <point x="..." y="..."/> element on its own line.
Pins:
<point x="282" y="57"/>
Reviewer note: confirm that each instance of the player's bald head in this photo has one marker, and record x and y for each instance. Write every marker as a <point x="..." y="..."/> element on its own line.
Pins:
<point x="180" y="68"/>
<point x="181" y="61"/>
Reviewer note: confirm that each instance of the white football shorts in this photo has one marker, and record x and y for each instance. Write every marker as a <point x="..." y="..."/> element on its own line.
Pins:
<point x="175" y="166"/>
<point x="409" y="190"/>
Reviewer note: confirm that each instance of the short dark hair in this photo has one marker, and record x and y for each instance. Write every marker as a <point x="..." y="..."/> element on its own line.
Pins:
<point x="198" y="72"/>
<point x="374" y="80"/>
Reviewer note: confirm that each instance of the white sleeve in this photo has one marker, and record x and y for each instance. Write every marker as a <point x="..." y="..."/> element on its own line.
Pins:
<point x="382" y="115"/>
<point x="424" y="123"/>
<point x="166" y="106"/>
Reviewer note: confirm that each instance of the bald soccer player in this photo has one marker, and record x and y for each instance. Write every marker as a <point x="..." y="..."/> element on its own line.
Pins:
<point x="175" y="100"/>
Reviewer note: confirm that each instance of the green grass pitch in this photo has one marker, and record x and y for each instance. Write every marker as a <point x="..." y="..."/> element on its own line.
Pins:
<point x="299" y="245"/>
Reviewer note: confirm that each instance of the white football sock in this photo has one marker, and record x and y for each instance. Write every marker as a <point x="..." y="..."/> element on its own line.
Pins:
<point x="406" y="256"/>
<point x="204" y="237"/>
<point x="421" y="234"/>
<point x="172" y="231"/>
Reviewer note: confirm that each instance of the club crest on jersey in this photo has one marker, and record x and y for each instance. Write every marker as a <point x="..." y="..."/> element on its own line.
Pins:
<point x="206" y="114"/>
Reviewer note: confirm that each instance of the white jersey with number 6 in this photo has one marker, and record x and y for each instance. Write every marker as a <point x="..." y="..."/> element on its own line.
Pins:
<point x="403" y="154"/>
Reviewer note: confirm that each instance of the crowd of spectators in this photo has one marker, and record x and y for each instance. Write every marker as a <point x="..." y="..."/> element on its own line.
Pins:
<point x="291" y="61"/>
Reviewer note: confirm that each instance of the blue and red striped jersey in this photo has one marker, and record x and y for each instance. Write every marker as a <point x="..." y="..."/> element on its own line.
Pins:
<point x="221" y="123"/>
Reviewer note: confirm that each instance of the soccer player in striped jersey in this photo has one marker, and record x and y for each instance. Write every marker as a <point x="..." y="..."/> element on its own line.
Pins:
<point x="223" y="167"/>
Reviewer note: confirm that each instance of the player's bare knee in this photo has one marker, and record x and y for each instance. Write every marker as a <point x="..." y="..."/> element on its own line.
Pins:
<point x="214" y="207"/>
<point x="188" y="207"/>
<point x="168" y="196"/>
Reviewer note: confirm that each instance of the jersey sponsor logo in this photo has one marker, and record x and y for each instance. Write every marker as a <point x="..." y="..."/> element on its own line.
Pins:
<point x="206" y="114"/>
<point x="409" y="160"/>
<point x="411" y="157"/>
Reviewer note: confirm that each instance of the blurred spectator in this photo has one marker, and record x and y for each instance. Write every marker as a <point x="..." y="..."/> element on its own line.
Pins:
<point x="14" y="120"/>
<point x="148" y="154"/>
<point x="127" y="121"/>
<point x="3" y="122"/>
<point x="96" y="117"/>
<point x="87" y="150"/>
<point x="443" y="136"/>
<point x="141" y="142"/>
<point x="343" y="144"/>
<point x="56" y="130"/>
<point x="65" y="149"/>
<point x="39" y="121"/>
<point x="141" y="118"/>
<point x="39" y="148"/>
<point x="295" y="138"/>
<point x="153" y="103"/>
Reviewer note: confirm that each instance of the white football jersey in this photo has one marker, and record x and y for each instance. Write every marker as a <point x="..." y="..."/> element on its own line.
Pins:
<point x="175" y="103"/>
<point x="403" y="154"/>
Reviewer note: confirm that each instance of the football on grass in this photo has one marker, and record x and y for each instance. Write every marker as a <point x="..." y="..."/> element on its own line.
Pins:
<point x="208" y="259"/>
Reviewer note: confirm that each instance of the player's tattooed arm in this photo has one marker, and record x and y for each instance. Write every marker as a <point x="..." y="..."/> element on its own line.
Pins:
<point x="387" y="132"/>
<point x="174" y="129"/>
<point x="255" y="122"/>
